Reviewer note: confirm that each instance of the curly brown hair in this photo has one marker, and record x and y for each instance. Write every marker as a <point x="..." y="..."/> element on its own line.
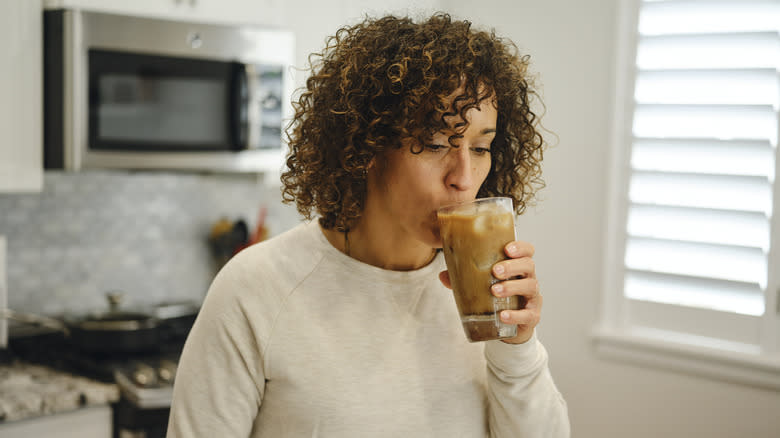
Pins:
<point x="385" y="80"/>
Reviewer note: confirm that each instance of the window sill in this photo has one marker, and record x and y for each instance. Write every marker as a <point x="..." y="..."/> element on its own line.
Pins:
<point x="700" y="356"/>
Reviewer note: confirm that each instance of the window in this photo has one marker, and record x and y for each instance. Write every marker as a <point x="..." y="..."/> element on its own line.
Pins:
<point x="692" y="266"/>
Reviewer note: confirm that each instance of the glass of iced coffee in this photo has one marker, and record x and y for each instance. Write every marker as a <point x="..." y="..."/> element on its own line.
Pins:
<point x="473" y="237"/>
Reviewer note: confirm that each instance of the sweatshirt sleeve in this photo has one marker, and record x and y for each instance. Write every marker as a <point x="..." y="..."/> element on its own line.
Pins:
<point x="220" y="378"/>
<point x="523" y="399"/>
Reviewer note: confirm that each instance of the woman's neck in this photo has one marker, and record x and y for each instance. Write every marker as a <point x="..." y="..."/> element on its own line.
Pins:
<point x="381" y="245"/>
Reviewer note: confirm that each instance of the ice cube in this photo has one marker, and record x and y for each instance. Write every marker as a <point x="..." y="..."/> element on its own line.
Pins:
<point x="503" y="221"/>
<point x="481" y="224"/>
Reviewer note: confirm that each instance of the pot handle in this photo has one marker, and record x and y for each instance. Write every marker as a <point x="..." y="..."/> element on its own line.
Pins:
<point x="114" y="298"/>
<point x="39" y="320"/>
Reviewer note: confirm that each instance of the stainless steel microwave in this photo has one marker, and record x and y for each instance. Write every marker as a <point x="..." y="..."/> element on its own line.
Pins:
<point x="140" y="93"/>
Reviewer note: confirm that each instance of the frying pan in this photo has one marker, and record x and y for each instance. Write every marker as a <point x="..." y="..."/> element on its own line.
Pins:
<point x="115" y="331"/>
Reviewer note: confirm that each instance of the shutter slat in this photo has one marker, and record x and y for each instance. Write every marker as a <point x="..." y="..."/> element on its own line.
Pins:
<point x="708" y="16"/>
<point x="740" y="193"/>
<point x="728" y="296"/>
<point x="758" y="122"/>
<point x="711" y="51"/>
<point x="707" y="156"/>
<point x="741" y="87"/>
<point x="699" y="225"/>
<point x="697" y="260"/>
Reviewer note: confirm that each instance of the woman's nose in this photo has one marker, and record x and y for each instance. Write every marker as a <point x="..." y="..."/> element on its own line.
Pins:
<point x="460" y="175"/>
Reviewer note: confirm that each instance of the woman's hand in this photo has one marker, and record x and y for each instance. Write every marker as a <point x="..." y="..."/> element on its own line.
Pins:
<point x="518" y="277"/>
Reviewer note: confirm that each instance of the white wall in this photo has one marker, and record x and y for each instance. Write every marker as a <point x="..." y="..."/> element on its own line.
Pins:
<point x="323" y="18"/>
<point x="571" y="43"/>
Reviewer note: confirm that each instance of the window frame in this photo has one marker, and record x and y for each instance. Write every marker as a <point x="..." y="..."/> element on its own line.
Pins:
<point x="613" y="336"/>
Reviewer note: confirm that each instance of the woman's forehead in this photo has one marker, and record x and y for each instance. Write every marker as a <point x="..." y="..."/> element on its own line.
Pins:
<point x="460" y="120"/>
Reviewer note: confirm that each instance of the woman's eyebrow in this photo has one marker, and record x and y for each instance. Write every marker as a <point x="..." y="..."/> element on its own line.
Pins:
<point x="485" y="131"/>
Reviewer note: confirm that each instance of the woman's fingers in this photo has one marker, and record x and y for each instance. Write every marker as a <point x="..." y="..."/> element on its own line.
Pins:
<point x="521" y="267"/>
<point x="444" y="277"/>
<point x="519" y="249"/>
<point x="527" y="287"/>
<point x="524" y="318"/>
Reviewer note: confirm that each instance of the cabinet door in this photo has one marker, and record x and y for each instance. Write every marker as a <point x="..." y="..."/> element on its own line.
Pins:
<point x="150" y="8"/>
<point x="21" y="145"/>
<point x="91" y="422"/>
<point x="263" y="12"/>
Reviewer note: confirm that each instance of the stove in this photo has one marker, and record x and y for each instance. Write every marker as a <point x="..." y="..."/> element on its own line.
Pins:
<point x="145" y="379"/>
<point x="147" y="383"/>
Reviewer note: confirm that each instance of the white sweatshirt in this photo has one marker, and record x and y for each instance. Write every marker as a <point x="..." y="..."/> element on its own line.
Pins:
<point x="296" y="339"/>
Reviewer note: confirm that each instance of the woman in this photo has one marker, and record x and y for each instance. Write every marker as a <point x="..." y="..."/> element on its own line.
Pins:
<point x="341" y="327"/>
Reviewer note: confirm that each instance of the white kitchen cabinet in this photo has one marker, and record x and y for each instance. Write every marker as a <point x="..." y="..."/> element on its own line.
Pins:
<point x="21" y="145"/>
<point x="92" y="422"/>
<point x="263" y="12"/>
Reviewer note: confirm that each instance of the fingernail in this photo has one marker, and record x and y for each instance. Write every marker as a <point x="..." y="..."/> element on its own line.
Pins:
<point x="505" y="315"/>
<point x="497" y="288"/>
<point x="512" y="249"/>
<point x="499" y="269"/>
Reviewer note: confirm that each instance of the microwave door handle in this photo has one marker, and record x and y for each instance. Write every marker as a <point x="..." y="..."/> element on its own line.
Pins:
<point x="240" y="107"/>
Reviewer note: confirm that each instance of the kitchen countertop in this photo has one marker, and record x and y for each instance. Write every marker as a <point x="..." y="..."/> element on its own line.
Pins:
<point x="29" y="390"/>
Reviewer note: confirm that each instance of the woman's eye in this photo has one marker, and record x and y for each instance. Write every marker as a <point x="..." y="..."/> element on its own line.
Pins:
<point x="435" y="147"/>
<point x="481" y="151"/>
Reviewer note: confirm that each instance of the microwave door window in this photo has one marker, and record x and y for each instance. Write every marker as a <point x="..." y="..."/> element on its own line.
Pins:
<point x="162" y="111"/>
<point x="149" y="102"/>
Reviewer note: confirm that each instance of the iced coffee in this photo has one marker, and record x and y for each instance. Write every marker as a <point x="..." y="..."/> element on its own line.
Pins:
<point x="473" y="238"/>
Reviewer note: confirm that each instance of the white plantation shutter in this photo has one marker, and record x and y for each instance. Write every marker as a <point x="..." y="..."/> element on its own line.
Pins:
<point x="699" y="203"/>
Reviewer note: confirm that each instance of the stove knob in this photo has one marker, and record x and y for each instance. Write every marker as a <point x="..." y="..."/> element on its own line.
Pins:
<point x="144" y="375"/>
<point x="166" y="371"/>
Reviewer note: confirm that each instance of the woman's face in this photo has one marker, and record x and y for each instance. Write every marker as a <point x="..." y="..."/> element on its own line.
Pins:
<point x="410" y="187"/>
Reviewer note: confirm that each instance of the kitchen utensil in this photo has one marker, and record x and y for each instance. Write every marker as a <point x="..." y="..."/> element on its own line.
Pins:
<point x="261" y="231"/>
<point x="115" y="331"/>
<point x="175" y="319"/>
<point x="226" y="239"/>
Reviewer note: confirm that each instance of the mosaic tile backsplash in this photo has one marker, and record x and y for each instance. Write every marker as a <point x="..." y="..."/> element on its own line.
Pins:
<point x="142" y="233"/>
